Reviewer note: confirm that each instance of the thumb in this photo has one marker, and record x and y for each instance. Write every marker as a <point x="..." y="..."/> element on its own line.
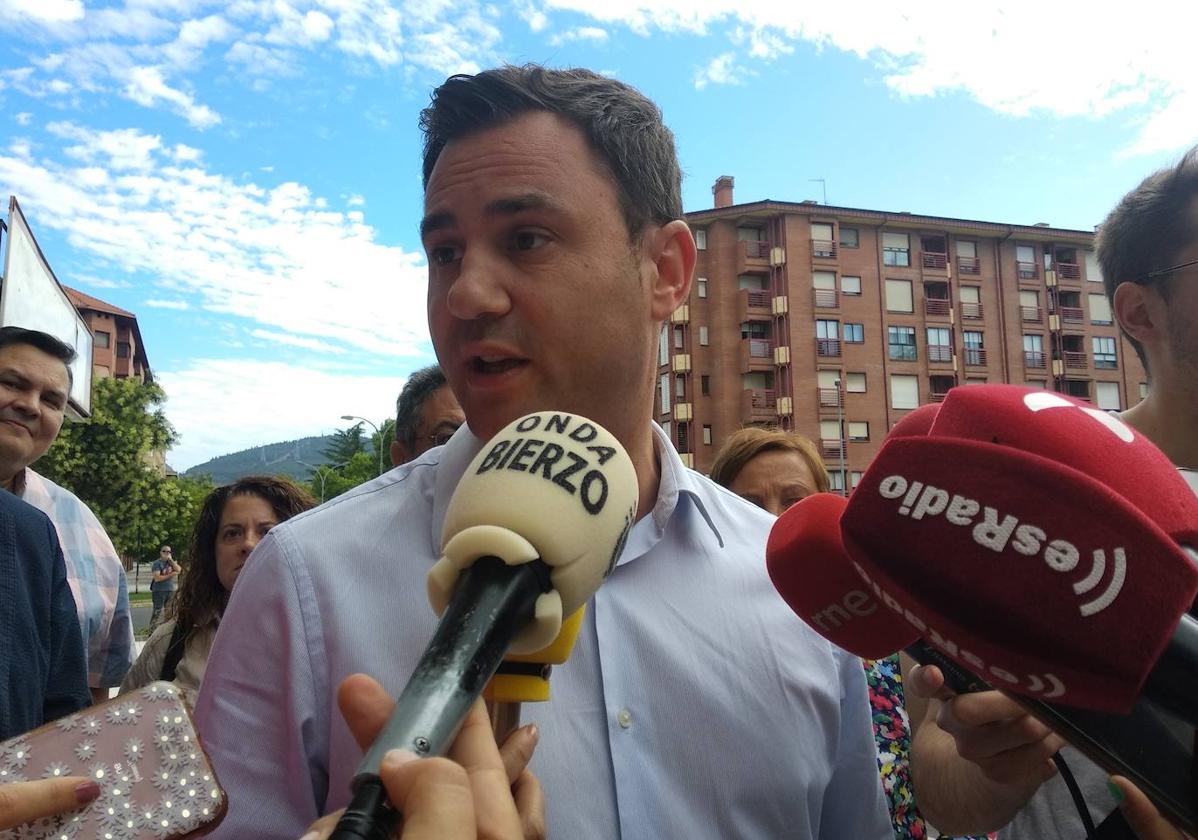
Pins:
<point x="22" y="802"/>
<point x="433" y="794"/>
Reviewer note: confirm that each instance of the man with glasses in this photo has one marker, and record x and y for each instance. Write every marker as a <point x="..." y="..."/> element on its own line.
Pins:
<point x="426" y="415"/>
<point x="1148" y="252"/>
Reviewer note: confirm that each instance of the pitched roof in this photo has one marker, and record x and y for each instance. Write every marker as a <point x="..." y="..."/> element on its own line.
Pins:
<point x="83" y="300"/>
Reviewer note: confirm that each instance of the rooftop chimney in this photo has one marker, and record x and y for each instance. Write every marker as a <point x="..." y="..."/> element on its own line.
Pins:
<point x="722" y="190"/>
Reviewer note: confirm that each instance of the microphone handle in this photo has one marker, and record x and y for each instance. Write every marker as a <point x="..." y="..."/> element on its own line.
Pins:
<point x="492" y="603"/>
<point x="505" y="719"/>
<point x="958" y="679"/>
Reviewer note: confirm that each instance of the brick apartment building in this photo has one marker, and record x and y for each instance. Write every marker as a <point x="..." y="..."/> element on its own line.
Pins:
<point x="835" y="321"/>
<point x="117" y="349"/>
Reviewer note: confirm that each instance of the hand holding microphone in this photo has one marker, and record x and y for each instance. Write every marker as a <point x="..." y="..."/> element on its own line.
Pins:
<point x="536" y="523"/>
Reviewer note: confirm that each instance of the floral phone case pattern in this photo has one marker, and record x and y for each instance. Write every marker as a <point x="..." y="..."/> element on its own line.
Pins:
<point x="141" y="748"/>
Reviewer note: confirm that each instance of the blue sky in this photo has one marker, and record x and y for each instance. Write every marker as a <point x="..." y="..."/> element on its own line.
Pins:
<point x="245" y="176"/>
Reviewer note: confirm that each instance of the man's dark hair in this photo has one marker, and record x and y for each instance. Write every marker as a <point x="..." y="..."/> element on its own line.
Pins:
<point x="1148" y="229"/>
<point x="43" y="341"/>
<point x="419" y="387"/>
<point x="622" y="125"/>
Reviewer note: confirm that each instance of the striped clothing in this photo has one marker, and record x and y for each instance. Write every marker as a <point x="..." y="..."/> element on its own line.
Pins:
<point x="96" y="576"/>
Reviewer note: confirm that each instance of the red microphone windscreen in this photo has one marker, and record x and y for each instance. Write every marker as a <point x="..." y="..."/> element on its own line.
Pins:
<point x="811" y="571"/>
<point x="916" y="423"/>
<point x="1028" y="572"/>
<point x="1075" y="433"/>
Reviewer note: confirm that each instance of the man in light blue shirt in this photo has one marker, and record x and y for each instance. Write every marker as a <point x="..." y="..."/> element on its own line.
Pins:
<point x="695" y="704"/>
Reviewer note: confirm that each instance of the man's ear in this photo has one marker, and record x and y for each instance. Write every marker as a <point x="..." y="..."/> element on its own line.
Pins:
<point x="670" y="252"/>
<point x="1137" y="308"/>
<point x="399" y="454"/>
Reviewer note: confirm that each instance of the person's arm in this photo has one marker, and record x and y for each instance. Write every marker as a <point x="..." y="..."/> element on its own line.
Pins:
<point x="66" y="689"/>
<point x="157" y="573"/>
<point x="265" y="704"/>
<point x="148" y="666"/>
<point x="481" y="790"/>
<point x="976" y="759"/>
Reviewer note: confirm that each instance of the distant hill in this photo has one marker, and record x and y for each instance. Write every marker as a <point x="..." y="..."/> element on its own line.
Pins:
<point x="272" y="459"/>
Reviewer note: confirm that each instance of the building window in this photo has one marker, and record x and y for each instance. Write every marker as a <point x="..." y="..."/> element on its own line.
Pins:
<point x="754" y="329"/>
<point x="836" y="480"/>
<point x="1025" y="262"/>
<point x="663" y="348"/>
<point x="102" y="338"/>
<point x="1042" y="384"/>
<point x="1093" y="273"/>
<point x="904" y="391"/>
<point x="898" y="296"/>
<point x="902" y="343"/>
<point x="1079" y="388"/>
<point x="1143" y="390"/>
<point x="896" y="249"/>
<point x="1104" y="352"/>
<point x="1033" y="351"/>
<point x="750" y="234"/>
<point x="855" y="478"/>
<point x="827" y="329"/>
<point x="821" y="240"/>
<point x="701" y="240"/>
<point x="665" y="393"/>
<point x="701" y="286"/>
<point x="707" y="435"/>
<point x="679" y="337"/>
<point x="854" y="383"/>
<point x="1100" y="309"/>
<point x="850" y="285"/>
<point x="703" y="336"/>
<point x="122" y="349"/>
<point x="967" y="249"/>
<point x="849" y="237"/>
<point x="1106" y="396"/>
<point x="854" y="333"/>
<point x="858" y="430"/>
<point x="705" y="385"/>
<point x="680" y="387"/>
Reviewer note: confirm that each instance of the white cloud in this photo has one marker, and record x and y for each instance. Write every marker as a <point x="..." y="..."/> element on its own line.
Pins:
<point x="98" y="282"/>
<point x="1067" y="59"/>
<point x="296" y="341"/>
<point x="277" y="256"/>
<point x="355" y="201"/>
<point x="158" y="303"/>
<point x="593" y="34"/>
<point x="146" y="85"/>
<point x="23" y="118"/>
<point x="721" y="70"/>
<point x="271" y="401"/>
<point x="41" y="11"/>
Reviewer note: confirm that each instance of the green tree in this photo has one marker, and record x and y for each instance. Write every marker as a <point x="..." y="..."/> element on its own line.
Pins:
<point x="114" y="462"/>
<point x="350" y="461"/>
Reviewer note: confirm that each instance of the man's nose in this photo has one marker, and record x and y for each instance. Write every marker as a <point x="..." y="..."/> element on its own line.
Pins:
<point x="479" y="289"/>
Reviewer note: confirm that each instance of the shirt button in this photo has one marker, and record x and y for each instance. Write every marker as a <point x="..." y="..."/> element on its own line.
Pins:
<point x="625" y="718"/>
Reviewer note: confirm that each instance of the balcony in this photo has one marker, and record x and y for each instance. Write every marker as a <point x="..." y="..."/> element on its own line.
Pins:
<point x="827" y="298"/>
<point x="831" y="449"/>
<point x="938" y="307"/>
<point x="934" y="261"/>
<point x="1033" y="359"/>
<point x="1030" y="313"/>
<point x="1072" y="315"/>
<point x="975" y="356"/>
<point x="1069" y="271"/>
<point x="971" y="310"/>
<point x="1074" y="360"/>
<point x="757" y="250"/>
<point x="829" y="397"/>
<point x="822" y="249"/>
<point x="940" y="353"/>
<point x="937" y="396"/>
<point x="754" y="305"/>
<point x="1027" y="270"/>
<point x="759" y="403"/>
<point x="827" y="347"/>
<point x="969" y="265"/>
<point x="756" y="354"/>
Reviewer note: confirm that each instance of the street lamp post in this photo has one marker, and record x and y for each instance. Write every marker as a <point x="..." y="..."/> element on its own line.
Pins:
<point x="322" y="471"/>
<point x="377" y="431"/>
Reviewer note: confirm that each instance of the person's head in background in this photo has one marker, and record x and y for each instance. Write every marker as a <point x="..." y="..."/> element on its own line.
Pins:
<point x="426" y="415"/>
<point x="771" y="468"/>
<point x="231" y="522"/>
<point x="35" y="382"/>
<point x="1148" y="253"/>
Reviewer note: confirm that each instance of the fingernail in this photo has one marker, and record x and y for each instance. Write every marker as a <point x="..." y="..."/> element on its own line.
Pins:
<point x="397" y="758"/>
<point x="87" y="792"/>
<point x="533" y="732"/>
<point x="311" y="835"/>
<point x="1116" y="792"/>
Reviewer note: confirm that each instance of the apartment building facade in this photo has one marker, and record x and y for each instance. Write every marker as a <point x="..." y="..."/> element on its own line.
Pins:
<point x="117" y="348"/>
<point x="836" y="322"/>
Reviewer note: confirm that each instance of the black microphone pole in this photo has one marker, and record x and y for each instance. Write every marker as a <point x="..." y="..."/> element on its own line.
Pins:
<point x="491" y="604"/>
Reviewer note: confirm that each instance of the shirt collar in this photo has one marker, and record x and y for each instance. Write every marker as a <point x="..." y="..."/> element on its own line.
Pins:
<point x="676" y="482"/>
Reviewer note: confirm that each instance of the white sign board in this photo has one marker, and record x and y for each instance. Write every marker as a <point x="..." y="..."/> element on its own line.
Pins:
<point x="31" y="297"/>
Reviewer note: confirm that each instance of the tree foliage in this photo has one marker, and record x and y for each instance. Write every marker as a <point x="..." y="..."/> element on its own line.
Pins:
<point x="114" y="462"/>
<point x="351" y="461"/>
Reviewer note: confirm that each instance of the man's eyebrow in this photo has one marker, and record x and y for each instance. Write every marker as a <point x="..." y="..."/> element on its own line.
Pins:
<point x="507" y="206"/>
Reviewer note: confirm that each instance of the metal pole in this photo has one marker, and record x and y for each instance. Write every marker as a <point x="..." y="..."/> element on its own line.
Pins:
<point x="844" y="486"/>
<point x="377" y="431"/>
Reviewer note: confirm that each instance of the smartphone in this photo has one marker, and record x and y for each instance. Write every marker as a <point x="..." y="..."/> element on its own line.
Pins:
<point x="142" y="749"/>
